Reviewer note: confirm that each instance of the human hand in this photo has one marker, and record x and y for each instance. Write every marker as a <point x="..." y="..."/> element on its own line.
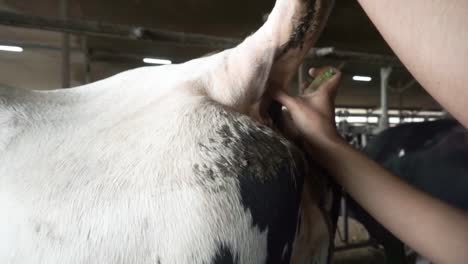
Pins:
<point x="312" y="116"/>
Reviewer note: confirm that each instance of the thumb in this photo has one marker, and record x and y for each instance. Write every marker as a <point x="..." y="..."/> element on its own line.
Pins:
<point x="283" y="98"/>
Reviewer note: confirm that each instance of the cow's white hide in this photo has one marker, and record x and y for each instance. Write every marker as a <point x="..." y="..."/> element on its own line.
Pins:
<point x="88" y="173"/>
<point x="80" y="169"/>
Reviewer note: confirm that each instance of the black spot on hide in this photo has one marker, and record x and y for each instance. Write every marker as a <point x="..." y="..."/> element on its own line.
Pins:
<point x="269" y="172"/>
<point x="274" y="205"/>
<point x="224" y="256"/>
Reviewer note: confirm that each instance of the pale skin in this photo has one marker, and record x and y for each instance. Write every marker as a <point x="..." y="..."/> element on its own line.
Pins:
<point x="431" y="39"/>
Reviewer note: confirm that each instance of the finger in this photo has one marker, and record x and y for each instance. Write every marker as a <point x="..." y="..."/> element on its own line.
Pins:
<point x="312" y="72"/>
<point x="305" y="86"/>
<point x="316" y="72"/>
<point x="331" y="85"/>
<point x="323" y="75"/>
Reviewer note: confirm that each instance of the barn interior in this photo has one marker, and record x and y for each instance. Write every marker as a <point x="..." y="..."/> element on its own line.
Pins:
<point x="60" y="44"/>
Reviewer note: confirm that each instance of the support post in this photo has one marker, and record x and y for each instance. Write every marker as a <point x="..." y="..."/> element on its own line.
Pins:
<point x="384" y="77"/>
<point x="65" y="47"/>
<point x="87" y="59"/>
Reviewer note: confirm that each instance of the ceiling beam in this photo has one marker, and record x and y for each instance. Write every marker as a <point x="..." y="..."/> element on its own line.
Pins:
<point x="361" y="57"/>
<point x="92" y="28"/>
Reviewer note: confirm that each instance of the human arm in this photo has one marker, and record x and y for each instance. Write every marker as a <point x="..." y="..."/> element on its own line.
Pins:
<point x="431" y="38"/>
<point x="431" y="227"/>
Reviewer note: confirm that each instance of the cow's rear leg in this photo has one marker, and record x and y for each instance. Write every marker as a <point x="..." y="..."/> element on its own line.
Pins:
<point x="270" y="56"/>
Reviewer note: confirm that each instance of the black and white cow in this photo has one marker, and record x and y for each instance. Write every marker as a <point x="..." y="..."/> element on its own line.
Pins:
<point x="431" y="156"/>
<point x="166" y="164"/>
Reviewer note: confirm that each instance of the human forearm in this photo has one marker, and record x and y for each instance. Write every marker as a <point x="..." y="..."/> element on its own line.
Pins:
<point x="428" y="225"/>
<point x="430" y="37"/>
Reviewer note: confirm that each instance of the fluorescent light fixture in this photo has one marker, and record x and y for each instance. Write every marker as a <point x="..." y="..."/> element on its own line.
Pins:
<point x="413" y="120"/>
<point x="433" y="113"/>
<point x="353" y="111"/>
<point x="394" y="120"/>
<point x="393" y="112"/>
<point x="157" y="61"/>
<point x="11" y="48"/>
<point x="358" y="119"/>
<point x="362" y="78"/>
<point x="373" y="120"/>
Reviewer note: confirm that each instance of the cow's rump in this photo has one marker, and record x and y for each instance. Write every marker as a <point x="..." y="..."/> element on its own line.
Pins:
<point x="166" y="164"/>
<point x="201" y="183"/>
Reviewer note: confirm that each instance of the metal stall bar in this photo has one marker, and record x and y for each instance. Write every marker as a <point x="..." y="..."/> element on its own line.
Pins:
<point x="345" y="214"/>
<point x="344" y="55"/>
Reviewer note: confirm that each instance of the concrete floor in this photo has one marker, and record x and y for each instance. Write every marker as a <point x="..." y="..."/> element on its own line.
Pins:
<point x="366" y="255"/>
<point x="357" y="234"/>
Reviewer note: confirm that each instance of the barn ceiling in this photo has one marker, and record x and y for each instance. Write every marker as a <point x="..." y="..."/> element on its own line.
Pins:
<point x="38" y="67"/>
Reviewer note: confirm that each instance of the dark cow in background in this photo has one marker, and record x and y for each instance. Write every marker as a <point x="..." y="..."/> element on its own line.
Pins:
<point x="431" y="156"/>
